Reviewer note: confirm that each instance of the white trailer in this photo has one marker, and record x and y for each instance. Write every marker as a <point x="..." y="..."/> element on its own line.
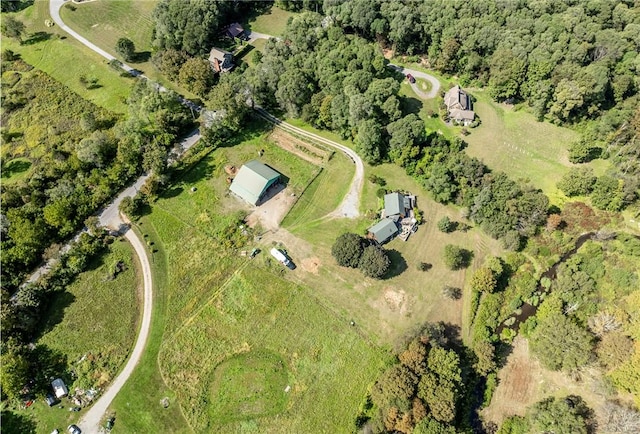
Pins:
<point x="280" y="256"/>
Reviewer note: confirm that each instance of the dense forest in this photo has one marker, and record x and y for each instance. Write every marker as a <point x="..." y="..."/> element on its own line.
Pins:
<point x="572" y="63"/>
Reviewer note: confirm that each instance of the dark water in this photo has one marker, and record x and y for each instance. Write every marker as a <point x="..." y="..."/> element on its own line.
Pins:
<point x="528" y="310"/>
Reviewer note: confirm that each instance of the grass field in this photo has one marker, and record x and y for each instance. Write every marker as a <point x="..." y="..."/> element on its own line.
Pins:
<point x="514" y="142"/>
<point x="273" y="22"/>
<point x="97" y="318"/>
<point x="63" y="58"/>
<point x="246" y="328"/>
<point x="104" y="22"/>
<point x="326" y="363"/>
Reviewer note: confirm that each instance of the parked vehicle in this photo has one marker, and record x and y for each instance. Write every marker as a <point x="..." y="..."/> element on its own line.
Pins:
<point x="282" y="258"/>
<point x="411" y="78"/>
<point x="73" y="429"/>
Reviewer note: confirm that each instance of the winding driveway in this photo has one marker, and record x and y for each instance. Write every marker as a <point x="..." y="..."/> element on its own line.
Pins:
<point x="350" y="204"/>
<point x="435" y="84"/>
<point x="90" y="422"/>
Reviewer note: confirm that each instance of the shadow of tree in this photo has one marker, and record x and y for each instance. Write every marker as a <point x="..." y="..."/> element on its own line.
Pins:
<point x="13" y="423"/>
<point x="48" y="364"/>
<point x="57" y="304"/>
<point x="398" y="264"/>
<point x="141" y="57"/>
<point x="36" y="37"/>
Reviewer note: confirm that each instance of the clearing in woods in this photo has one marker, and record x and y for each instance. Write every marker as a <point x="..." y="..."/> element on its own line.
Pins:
<point x="523" y="382"/>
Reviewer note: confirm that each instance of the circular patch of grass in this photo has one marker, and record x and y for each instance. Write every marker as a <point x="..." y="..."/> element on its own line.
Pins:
<point x="248" y="386"/>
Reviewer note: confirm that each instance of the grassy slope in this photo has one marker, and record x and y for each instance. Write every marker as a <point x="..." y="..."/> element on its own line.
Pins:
<point x="65" y="59"/>
<point x="92" y="316"/>
<point x="104" y="22"/>
<point x="138" y="406"/>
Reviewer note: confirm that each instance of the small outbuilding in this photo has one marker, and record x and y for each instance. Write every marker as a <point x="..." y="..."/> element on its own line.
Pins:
<point x="384" y="230"/>
<point x="253" y="180"/>
<point x="59" y="388"/>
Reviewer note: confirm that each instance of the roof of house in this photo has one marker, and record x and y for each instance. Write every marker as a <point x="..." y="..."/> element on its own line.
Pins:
<point x="383" y="230"/>
<point x="456" y="97"/>
<point x="393" y="204"/>
<point x="235" y="29"/>
<point x="217" y="53"/>
<point x="252" y="179"/>
<point x="462" y="115"/>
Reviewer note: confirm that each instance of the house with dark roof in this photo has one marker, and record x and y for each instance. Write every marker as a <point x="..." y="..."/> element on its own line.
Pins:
<point x="384" y="230"/>
<point x="458" y="105"/>
<point x="221" y="60"/>
<point x="235" y="30"/>
<point x="253" y="180"/>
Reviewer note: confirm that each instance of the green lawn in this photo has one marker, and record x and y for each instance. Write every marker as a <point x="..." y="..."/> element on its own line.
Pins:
<point x="65" y="59"/>
<point x="15" y="170"/>
<point x="104" y="22"/>
<point x="327" y="365"/>
<point x="514" y="142"/>
<point x="273" y="22"/>
<point x="95" y="318"/>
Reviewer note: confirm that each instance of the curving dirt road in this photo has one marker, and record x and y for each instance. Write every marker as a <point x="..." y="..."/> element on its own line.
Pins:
<point x="350" y="204"/>
<point x="90" y="422"/>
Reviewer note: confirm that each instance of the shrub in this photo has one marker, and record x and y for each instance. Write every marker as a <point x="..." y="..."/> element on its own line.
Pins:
<point x="456" y="257"/>
<point x="446" y="225"/>
<point x="348" y="249"/>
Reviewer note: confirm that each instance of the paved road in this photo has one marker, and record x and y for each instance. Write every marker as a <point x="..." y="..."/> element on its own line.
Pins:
<point x="350" y="204"/>
<point x="255" y="35"/>
<point x="90" y="422"/>
<point x="435" y="84"/>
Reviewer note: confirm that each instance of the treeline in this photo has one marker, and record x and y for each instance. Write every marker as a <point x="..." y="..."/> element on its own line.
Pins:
<point x="80" y="156"/>
<point x="568" y="61"/>
<point x="27" y="369"/>
<point x="431" y="388"/>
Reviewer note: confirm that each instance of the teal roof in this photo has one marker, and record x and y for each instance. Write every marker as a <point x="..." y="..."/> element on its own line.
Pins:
<point x="393" y="204"/>
<point x="383" y="230"/>
<point x="252" y="180"/>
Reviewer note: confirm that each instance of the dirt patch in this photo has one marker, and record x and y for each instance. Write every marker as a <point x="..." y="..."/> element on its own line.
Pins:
<point x="302" y="149"/>
<point x="396" y="300"/>
<point x="273" y="209"/>
<point x="310" y="265"/>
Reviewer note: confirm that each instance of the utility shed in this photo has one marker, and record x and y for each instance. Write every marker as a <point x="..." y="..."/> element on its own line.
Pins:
<point x="59" y="388"/>
<point x="394" y="204"/>
<point x="253" y="180"/>
<point x="383" y="230"/>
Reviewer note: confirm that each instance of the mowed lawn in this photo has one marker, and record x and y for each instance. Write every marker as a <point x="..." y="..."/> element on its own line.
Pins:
<point x="66" y="59"/>
<point x="386" y="309"/>
<point x="97" y="318"/>
<point x="104" y="22"/>
<point x="514" y="142"/>
<point x="273" y="22"/>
